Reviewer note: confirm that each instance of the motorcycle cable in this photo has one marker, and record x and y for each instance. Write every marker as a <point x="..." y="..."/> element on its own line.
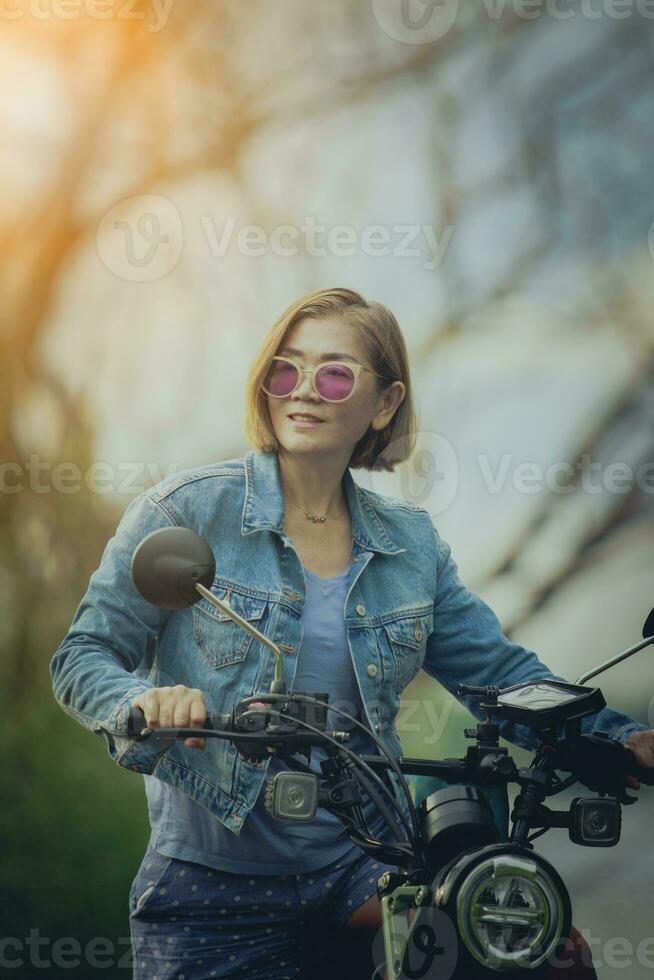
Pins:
<point x="259" y="737"/>
<point x="531" y="797"/>
<point x="374" y="796"/>
<point x="352" y="756"/>
<point x="400" y="849"/>
<point x="412" y="842"/>
<point x="378" y="742"/>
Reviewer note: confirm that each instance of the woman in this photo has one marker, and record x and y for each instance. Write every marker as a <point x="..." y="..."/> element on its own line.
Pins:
<point x="358" y="590"/>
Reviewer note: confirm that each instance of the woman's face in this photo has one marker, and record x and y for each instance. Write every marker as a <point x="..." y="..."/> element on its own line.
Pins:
<point x="311" y="342"/>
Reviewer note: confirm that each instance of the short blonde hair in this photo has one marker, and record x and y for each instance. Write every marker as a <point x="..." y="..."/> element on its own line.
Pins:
<point x="385" y="349"/>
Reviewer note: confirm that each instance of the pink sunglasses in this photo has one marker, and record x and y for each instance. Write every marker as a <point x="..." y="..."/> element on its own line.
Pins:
<point x="334" y="381"/>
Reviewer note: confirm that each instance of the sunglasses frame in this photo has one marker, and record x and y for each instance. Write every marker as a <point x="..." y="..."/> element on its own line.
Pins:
<point x="354" y="366"/>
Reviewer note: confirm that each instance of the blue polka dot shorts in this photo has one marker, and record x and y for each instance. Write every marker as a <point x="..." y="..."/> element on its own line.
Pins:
<point x="192" y="922"/>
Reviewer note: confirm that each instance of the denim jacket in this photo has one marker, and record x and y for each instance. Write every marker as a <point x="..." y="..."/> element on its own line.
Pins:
<point x="405" y="609"/>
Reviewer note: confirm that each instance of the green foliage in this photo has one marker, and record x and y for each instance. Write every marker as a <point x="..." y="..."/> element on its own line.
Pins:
<point x="73" y="830"/>
<point x="73" y="825"/>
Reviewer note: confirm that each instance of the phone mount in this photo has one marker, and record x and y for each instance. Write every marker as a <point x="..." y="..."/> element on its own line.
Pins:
<point x="542" y="704"/>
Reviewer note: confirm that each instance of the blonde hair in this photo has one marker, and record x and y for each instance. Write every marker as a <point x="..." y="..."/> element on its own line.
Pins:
<point x="385" y="349"/>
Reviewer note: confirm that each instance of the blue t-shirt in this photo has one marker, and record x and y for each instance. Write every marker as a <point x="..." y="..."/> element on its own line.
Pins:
<point x="183" y="829"/>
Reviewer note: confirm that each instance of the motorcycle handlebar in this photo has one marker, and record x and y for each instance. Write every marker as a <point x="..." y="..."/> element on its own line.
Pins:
<point x="136" y="723"/>
<point x="603" y="763"/>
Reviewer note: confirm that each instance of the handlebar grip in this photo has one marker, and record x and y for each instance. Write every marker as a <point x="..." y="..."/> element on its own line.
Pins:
<point x="467" y="689"/>
<point x="603" y="764"/>
<point x="136" y="722"/>
<point x="643" y="774"/>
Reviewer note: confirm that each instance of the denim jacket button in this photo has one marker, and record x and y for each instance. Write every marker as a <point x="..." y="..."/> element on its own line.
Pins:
<point x="417" y="633"/>
<point x="361" y="610"/>
<point x="372" y="670"/>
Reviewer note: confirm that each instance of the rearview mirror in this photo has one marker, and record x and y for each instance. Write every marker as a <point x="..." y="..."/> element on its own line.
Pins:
<point x="169" y="563"/>
<point x="648" y="628"/>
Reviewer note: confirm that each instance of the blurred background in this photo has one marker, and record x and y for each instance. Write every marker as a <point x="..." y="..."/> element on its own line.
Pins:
<point x="173" y="175"/>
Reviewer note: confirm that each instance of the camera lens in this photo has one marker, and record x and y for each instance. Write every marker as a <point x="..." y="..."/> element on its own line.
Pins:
<point x="597" y="823"/>
<point x="295" y="798"/>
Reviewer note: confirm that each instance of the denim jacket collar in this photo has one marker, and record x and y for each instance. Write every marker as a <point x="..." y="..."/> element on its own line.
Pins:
<point x="263" y="507"/>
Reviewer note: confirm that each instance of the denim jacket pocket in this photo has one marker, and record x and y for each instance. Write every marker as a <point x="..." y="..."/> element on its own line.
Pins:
<point x="407" y="638"/>
<point x="221" y="640"/>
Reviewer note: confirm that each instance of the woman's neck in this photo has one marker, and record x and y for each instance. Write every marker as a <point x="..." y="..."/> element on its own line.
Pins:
<point x="316" y="487"/>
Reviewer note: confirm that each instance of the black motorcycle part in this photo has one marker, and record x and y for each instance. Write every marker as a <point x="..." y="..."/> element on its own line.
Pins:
<point x="454" y="819"/>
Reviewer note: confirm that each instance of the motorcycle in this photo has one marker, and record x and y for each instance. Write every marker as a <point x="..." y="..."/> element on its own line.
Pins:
<point x="463" y="902"/>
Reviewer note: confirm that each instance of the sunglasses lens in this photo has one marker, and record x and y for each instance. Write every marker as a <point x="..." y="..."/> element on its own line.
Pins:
<point x="281" y="378"/>
<point x="334" y="381"/>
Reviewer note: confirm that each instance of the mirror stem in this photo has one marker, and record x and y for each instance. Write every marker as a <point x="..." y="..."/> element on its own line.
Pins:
<point x="615" y="660"/>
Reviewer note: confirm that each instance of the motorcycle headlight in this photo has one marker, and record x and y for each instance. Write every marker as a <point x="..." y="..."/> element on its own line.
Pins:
<point x="510" y="912"/>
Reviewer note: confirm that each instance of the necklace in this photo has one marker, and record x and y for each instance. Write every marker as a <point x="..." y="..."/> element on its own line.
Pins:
<point x="315" y="518"/>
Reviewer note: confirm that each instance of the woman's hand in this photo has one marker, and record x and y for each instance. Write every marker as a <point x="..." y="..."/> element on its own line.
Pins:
<point x="174" y="707"/>
<point x="642" y="746"/>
